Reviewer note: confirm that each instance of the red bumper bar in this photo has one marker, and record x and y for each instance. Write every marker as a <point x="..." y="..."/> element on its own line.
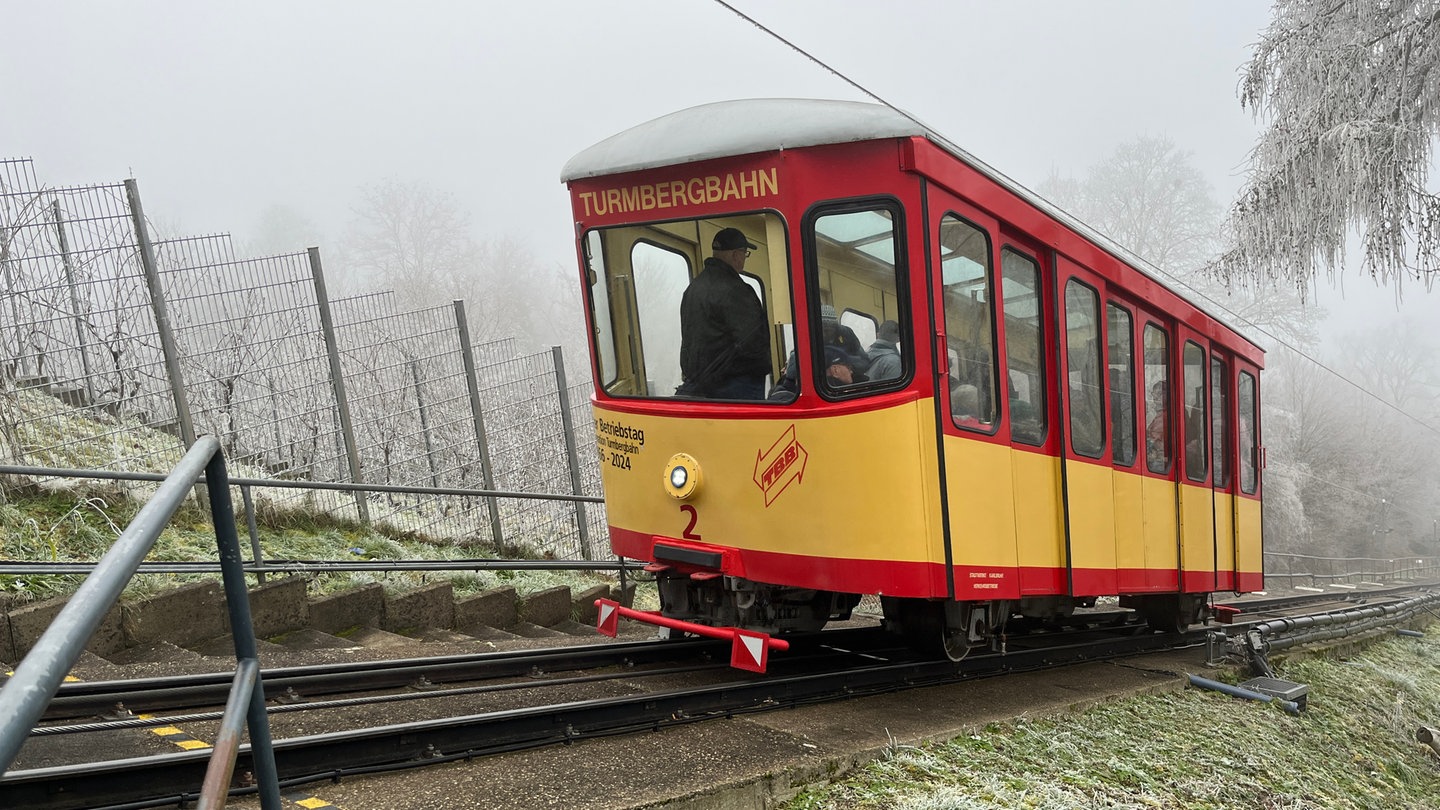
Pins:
<point x="748" y="650"/>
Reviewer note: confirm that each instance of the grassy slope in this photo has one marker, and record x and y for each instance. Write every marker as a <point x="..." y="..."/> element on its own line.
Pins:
<point x="1197" y="750"/>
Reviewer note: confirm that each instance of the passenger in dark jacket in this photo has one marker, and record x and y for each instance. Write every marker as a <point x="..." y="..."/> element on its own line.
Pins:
<point x="724" y="339"/>
<point x="885" y="353"/>
<point x="838" y="334"/>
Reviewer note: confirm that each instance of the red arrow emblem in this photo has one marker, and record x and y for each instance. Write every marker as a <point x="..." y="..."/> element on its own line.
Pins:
<point x="777" y="467"/>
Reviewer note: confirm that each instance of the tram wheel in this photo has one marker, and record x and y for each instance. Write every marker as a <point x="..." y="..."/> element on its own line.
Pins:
<point x="923" y="626"/>
<point x="1171" y="613"/>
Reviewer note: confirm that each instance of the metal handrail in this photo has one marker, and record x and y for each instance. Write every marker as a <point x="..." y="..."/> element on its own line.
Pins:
<point x="25" y="696"/>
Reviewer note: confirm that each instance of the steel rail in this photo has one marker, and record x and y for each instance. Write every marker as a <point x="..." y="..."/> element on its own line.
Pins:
<point x="310" y="758"/>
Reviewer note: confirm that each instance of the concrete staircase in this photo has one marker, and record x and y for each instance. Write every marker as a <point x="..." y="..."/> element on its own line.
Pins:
<point x="187" y="630"/>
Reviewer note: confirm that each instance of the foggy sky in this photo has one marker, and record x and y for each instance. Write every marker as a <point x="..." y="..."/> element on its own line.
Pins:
<point x="221" y="111"/>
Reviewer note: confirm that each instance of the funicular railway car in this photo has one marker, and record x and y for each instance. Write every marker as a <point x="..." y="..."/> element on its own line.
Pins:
<point x="950" y="393"/>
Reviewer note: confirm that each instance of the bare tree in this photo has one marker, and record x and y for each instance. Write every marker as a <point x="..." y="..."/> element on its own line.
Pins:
<point x="1148" y="197"/>
<point x="1351" y="93"/>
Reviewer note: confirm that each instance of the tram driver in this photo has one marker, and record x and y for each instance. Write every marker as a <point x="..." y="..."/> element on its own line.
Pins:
<point x="724" y="340"/>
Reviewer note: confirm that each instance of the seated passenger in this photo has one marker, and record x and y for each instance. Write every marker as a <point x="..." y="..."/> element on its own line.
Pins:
<point x="839" y="335"/>
<point x="787" y="387"/>
<point x="965" y="405"/>
<point x="838" y="371"/>
<point x="885" y="353"/>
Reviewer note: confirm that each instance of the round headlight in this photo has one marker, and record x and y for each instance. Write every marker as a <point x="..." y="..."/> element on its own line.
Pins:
<point x="682" y="476"/>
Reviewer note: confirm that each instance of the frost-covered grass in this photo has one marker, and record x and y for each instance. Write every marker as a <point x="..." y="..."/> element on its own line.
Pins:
<point x="64" y="523"/>
<point x="77" y="521"/>
<point x="1197" y="750"/>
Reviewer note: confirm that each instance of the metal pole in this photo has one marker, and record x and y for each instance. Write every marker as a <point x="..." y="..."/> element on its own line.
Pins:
<point x="253" y="529"/>
<point x="570" y="453"/>
<point x="242" y="627"/>
<point x="478" y="417"/>
<point x="80" y="343"/>
<point x="162" y="316"/>
<point x="29" y="689"/>
<point x="337" y="381"/>
<point x="425" y="425"/>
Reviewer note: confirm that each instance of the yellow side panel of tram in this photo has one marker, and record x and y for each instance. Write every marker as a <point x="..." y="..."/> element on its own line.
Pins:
<point x="979" y="487"/>
<point x="1247" y="511"/>
<point x="861" y="486"/>
<point x="1158" y="506"/>
<point x="1039" y="523"/>
<point x="1091" y="496"/>
<point x="1129" y="520"/>
<point x="1224" y="532"/>
<point x="1197" y="527"/>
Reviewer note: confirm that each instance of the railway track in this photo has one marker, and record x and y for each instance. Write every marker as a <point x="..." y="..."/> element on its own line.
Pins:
<point x="335" y="721"/>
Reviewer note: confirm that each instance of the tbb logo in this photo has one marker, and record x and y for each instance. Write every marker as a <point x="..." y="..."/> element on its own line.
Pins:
<point x="782" y="464"/>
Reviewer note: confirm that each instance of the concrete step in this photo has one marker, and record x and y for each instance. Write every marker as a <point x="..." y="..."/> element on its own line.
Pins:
<point x="311" y="639"/>
<point x="528" y="630"/>
<point x="375" y="638"/>
<point x="224" y="647"/>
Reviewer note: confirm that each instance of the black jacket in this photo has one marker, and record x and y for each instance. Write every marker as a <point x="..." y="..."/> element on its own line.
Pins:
<point x="723" y="333"/>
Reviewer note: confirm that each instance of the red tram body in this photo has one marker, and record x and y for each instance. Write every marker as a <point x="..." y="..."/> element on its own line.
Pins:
<point x="1054" y="425"/>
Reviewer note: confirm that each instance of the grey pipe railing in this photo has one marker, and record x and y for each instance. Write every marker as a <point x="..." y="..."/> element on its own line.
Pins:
<point x="28" y="692"/>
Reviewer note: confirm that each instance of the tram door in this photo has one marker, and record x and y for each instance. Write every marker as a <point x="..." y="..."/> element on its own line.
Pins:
<point x="1199" y="552"/>
<point x="1087" y="473"/>
<point x="979" y="490"/>
<point x="1222" y="472"/>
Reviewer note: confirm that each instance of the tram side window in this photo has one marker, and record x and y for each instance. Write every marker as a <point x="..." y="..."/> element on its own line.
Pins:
<point x="601" y="303"/>
<point x="1084" y="385"/>
<point x="1246" y="401"/>
<point x="1024" y="347"/>
<point x="861" y="324"/>
<point x="1196" y="452"/>
<point x="966" y="276"/>
<point x="1220" y="422"/>
<point x="1121" y="376"/>
<point x="1157" y="399"/>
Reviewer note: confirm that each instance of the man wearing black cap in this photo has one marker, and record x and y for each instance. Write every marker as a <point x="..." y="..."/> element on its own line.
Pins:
<point x="724" y="340"/>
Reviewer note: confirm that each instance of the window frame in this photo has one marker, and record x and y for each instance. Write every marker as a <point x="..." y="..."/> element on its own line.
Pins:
<point x="810" y="251"/>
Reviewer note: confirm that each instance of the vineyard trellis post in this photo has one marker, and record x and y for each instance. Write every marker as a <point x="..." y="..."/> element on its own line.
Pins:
<point x="425" y="424"/>
<point x="81" y="344"/>
<point x="163" y="328"/>
<point x="337" y="381"/>
<point x="472" y="384"/>
<point x="566" y="419"/>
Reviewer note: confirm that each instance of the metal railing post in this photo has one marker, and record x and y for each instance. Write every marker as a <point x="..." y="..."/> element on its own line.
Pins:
<point x="477" y="415"/>
<point x="254" y="530"/>
<point x="568" y="422"/>
<point x="242" y="629"/>
<point x="26" y="694"/>
<point x="168" y="347"/>
<point x="337" y="381"/>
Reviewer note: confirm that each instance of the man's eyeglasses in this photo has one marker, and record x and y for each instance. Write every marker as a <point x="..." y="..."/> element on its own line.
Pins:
<point x="747" y="251"/>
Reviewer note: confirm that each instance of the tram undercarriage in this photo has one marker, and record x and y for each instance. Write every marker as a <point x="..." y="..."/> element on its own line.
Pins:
<point x="933" y="626"/>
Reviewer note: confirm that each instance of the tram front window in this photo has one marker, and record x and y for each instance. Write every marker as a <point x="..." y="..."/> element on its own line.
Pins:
<point x="689" y="309"/>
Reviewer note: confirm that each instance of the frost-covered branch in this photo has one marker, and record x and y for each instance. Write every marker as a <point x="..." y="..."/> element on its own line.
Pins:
<point x="1353" y="112"/>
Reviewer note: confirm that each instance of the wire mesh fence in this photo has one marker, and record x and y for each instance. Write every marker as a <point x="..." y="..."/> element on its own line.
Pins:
<point x="117" y="347"/>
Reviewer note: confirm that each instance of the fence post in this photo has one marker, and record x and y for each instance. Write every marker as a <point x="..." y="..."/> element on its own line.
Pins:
<point x="162" y="315"/>
<point x="337" y="382"/>
<point x="425" y="424"/>
<point x="12" y="291"/>
<point x="472" y="383"/>
<point x="573" y="457"/>
<point x="80" y="343"/>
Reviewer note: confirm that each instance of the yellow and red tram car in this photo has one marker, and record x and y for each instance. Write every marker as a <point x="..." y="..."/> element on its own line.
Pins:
<point x="1031" y="419"/>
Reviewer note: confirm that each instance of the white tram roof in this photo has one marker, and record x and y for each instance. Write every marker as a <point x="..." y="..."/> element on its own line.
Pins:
<point x="749" y="126"/>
